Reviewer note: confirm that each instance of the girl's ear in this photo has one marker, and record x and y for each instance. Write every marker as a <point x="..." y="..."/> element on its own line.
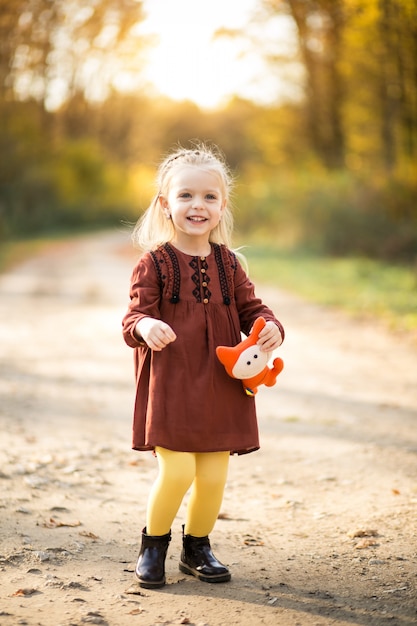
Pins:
<point x="163" y="203"/>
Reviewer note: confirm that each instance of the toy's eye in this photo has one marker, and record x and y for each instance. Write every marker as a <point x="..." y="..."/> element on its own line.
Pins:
<point x="247" y="362"/>
<point x="255" y="356"/>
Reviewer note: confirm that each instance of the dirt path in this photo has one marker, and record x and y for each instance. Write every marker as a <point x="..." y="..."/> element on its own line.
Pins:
<point x="319" y="527"/>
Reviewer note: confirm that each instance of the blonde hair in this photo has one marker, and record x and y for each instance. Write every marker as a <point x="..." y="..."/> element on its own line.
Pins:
<point x="153" y="228"/>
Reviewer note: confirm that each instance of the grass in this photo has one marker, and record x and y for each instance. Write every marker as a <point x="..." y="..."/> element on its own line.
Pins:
<point x="361" y="287"/>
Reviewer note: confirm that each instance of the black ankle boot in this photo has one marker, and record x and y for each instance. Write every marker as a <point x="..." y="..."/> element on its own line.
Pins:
<point x="150" y="568"/>
<point x="198" y="560"/>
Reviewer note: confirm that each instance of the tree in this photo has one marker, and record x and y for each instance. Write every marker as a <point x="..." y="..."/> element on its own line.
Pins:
<point x="320" y="25"/>
<point x="51" y="47"/>
<point x="396" y="92"/>
<point x="360" y="91"/>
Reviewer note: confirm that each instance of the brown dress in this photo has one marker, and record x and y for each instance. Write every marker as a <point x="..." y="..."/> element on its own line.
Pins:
<point x="185" y="400"/>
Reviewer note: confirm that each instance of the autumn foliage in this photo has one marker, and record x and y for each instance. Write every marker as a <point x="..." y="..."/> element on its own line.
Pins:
<point x="333" y="171"/>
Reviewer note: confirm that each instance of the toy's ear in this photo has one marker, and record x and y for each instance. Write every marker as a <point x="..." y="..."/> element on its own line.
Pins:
<point x="226" y="356"/>
<point x="257" y="327"/>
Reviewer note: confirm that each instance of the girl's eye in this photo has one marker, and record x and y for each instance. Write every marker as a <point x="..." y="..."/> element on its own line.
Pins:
<point x="185" y="195"/>
<point x="211" y="196"/>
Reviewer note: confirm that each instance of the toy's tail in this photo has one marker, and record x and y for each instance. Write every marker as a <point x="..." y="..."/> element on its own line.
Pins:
<point x="277" y="367"/>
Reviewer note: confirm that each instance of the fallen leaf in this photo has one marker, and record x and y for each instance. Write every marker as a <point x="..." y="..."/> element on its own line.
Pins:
<point x="24" y="592"/>
<point x="252" y="541"/>
<point x="396" y="492"/>
<point x="54" y="523"/>
<point x="135" y="612"/>
<point x="363" y="532"/>
<point x="134" y="590"/>
<point x="90" y="535"/>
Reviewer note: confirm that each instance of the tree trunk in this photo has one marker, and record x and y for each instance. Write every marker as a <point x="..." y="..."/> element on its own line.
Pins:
<point x="320" y="26"/>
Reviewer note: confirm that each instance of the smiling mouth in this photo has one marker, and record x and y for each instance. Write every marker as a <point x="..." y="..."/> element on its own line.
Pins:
<point x="197" y="219"/>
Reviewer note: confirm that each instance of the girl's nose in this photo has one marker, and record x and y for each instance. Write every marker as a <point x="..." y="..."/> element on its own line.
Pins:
<point x="198" y="202"/>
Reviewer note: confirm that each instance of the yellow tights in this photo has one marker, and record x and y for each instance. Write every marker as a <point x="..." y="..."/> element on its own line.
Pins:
<point x="206" y="472"/>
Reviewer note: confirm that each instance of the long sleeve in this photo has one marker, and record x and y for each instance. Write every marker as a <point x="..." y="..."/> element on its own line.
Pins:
<point x="144" y="299"/>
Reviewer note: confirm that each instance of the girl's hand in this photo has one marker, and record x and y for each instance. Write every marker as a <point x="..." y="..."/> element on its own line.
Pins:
<point x="155" y="333"/>
<point x="269" y="337"/>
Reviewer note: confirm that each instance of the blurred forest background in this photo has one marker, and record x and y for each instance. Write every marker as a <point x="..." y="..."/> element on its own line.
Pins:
<point x="332" y="171"/>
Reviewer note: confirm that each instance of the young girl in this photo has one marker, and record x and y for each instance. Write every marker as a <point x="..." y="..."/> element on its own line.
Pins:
<point x="189" y="294"/>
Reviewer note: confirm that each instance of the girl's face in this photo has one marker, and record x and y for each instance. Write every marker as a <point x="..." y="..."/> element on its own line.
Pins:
<point x="195" y="202"/>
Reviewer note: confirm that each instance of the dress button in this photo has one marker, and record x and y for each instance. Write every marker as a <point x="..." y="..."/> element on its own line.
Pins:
<point x="205" y="300"/>
<point x="202" y="258"/>
<point x="204" y="284"/>
<point x="203" y="271"/>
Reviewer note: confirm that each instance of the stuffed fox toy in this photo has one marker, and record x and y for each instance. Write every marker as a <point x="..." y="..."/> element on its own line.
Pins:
<point x="245" y="361"/>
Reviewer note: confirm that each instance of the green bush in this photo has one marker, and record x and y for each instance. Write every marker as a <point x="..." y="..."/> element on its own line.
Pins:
<point x="333" y="213"/>
<point x="74" y="187"/>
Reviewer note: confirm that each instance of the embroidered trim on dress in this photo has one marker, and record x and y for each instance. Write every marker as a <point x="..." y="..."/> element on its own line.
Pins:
<point x="224" y="264"/>
<point x="200" y="268"/>
<point x="176" y="277"/>
<point x="158" y="269"/>
<point x="171" y="281"/>
<point x="196" y="279"/>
